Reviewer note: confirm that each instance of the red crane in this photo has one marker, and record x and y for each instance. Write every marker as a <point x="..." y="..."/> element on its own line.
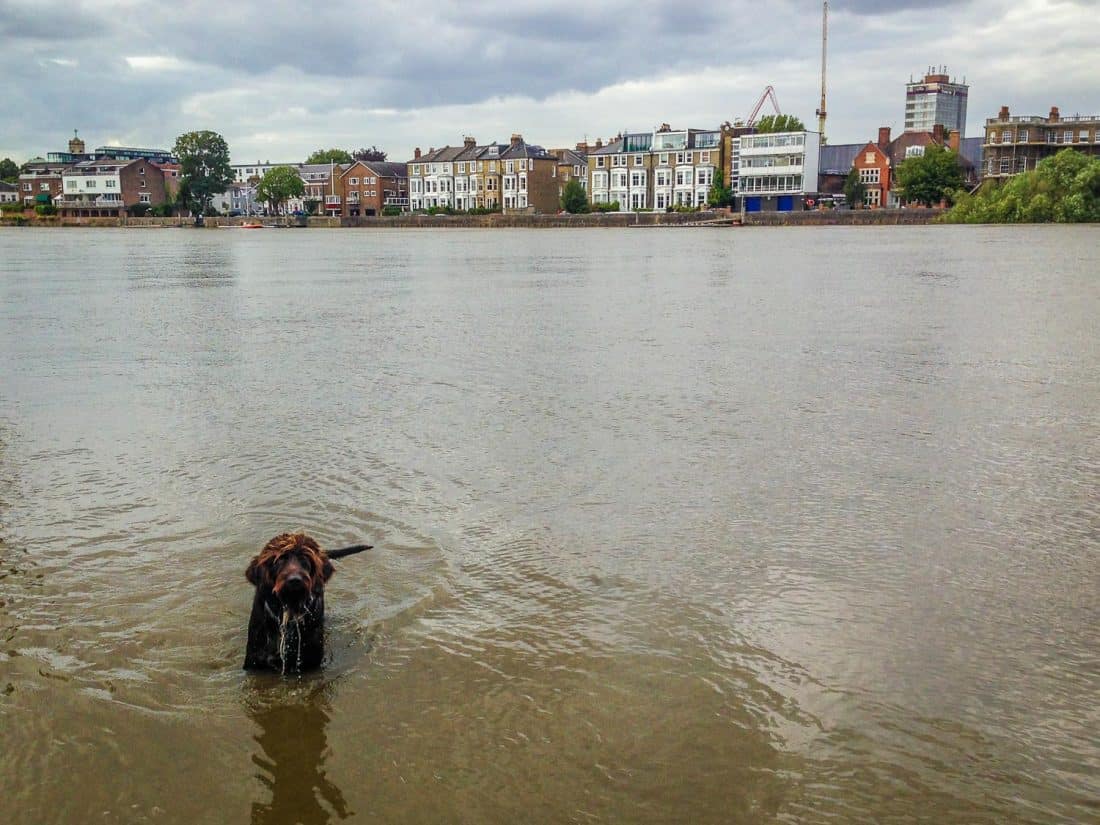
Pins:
<point x="767" y="94"/>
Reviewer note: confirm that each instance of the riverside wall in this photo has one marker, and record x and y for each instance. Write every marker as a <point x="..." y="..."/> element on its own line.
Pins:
<point x="833" y="217"/>
<point x="844" y="217"/>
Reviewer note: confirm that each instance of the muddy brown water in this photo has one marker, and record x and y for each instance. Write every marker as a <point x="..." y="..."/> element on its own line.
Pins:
<point x="672" y="525"/>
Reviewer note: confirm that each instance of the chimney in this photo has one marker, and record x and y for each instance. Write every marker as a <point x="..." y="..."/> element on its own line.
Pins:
<point x="599" y="143"/>
<point x="937" y="133"/>
<point x="953" y="140"/>
<point x="1003" y="115"/>
<point x="582" y="147"/>
<point x="517" y="139"/>
<point x="1054" y="114"/>
<point x="665" y="128"/>
<point x="469" y="142"/>
<point x="883" y="137"/>
<point x="416" y="153"/>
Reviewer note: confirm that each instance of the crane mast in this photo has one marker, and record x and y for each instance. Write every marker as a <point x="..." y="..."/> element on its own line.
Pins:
<point x="824" y="47"/>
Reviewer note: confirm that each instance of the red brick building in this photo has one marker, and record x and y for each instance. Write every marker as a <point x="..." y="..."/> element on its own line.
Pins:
<point x="40" y="182"/>
<point x="874" y="167"/>
<point x="369" y="186"/>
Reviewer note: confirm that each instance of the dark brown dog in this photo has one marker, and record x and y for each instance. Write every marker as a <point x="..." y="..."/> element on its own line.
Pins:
<point x="286" y="630"/>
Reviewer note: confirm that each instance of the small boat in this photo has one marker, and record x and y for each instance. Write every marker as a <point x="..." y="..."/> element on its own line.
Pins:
<point x="252" y="226"/>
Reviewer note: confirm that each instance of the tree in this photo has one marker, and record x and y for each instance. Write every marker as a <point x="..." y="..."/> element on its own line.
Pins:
<point x="204" y="168"/>
<point x="374" y="153"/>
<point x="854" y="189"/>
<point x="279" y="185"/>
<point x="9" y="170"/>
<point x="931" y="177"/>
<point x="1064" y="188"/>
<point x="719" y="194"/>
<point x="779" y="123"/>
<point x="574" y="199"/>
<point x="330" y="156"/>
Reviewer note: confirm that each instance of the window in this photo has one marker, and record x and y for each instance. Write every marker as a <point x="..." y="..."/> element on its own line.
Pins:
<point x="144" y="197"/>
<point x="1068" y="137"/>
<point x="111" y="183"/>
<point x="914" y="151"/>
<point x="637" y="160"/>
<point x="869" y="157"/>
<point x="416" y="169"/>
<point x="88" y="184"/>
<point x="27" y="187"/>
<point x="1021" y="164"/>
<point x="523" y="181"/>
<point x="704" y="157"/>
<point x="664" y="158"/>
<point x="869" y="175"/>
<point x="1021" y="135"/>
<point x="353" y="181"/>
<point x="1083" y="136"/>
<point x="509" y="166"/>
<point x="462" y="168"/>
<point x="1005" y="165"/>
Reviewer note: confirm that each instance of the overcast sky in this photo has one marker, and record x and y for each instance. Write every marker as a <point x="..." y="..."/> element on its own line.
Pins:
<point x="283" y="77"/>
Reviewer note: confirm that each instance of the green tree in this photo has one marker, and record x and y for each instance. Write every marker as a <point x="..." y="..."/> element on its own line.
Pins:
<point x="779" y="123"/>
<point x="574" y="199"/>
<point x="330" y="156"/>
<point x="9" y="170"/>
<point x="204" y="168"/>
<point x="854" y="189"/>
<point x="931" y="177"/>
<point x="1064" y="188"/>
<point x="719" y="194"/>
<point x="279" y="185"/>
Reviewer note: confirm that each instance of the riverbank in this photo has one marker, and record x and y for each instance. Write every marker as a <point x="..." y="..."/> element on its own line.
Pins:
<point x="710" y="218"/>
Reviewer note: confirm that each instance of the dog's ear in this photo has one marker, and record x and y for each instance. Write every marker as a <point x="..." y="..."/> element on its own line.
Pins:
<point x="327" y="570"/>
<point x="257" y="572"/>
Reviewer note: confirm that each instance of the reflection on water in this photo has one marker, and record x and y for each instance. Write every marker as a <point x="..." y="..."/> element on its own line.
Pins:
<point x="715" y="526"/>
<point x="293" y="740"/>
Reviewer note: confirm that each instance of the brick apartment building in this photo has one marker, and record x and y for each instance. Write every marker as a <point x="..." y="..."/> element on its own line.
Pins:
<point x="366" y="187"/>
<point x="1016" y="144"/>
<point x="106" y="187"/>
<point x="40" y="182"/>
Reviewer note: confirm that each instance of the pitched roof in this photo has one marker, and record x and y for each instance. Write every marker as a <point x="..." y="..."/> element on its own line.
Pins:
<point x="385" y="168"/>
<point x="522" y="149"/>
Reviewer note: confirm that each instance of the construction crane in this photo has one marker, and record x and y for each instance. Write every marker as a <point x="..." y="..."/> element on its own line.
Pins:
<point x="767" y="94"/>
<point x="824" y="45"/>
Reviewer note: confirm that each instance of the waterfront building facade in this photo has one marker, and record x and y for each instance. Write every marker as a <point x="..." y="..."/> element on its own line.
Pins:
<point x="106" y="187"/>
<point x="9" y="192"/>
<point x="529" y="178"/>
<point x="1016" y="144"/>
<point x="658" y="170"/>
<point x="778" y="171"/>
<point x="572" y="165"/>
<point x="936" y="100"/>
<point x="367" y="187"/>
<point x="40" y="181"/>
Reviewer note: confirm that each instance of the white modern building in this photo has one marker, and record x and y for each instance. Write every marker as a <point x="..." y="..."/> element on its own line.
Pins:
<point x="778" y="171"/>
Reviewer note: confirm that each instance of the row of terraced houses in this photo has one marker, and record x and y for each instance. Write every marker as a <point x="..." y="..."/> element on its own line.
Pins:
<point x="656" y="169"/>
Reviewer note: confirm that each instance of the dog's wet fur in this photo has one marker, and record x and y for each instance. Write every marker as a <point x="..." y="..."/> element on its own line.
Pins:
<point x="286" y="631"/>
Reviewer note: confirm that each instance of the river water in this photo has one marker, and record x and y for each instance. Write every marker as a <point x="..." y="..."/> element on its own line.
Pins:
<point x="712" y="525"/>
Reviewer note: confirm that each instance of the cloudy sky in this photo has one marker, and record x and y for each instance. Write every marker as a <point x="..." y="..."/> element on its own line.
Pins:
<point x="283" y="77"/>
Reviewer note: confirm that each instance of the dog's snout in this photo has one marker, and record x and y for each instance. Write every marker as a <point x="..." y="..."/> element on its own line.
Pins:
<point x="294" y="583"/>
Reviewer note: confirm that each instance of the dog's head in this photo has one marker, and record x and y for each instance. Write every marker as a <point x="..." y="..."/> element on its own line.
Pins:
<point x="294" y="568"/>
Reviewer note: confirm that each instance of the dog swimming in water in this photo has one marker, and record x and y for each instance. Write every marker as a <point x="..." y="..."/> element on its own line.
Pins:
<point x="286" y="631"/>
